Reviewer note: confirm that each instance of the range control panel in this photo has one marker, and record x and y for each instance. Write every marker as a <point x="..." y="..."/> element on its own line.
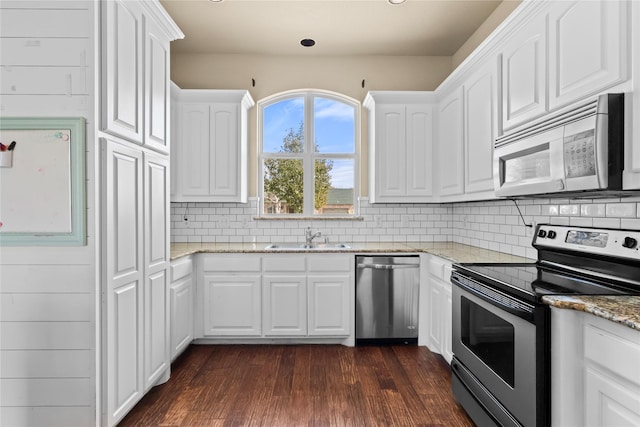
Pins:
<point x="615" y="243"/>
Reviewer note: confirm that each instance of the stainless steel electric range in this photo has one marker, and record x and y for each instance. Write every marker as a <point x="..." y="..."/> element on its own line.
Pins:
<point x="501" y="328"/>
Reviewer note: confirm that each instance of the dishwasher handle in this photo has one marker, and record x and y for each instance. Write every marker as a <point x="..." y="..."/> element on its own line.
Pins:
<point x="387" y="266"/>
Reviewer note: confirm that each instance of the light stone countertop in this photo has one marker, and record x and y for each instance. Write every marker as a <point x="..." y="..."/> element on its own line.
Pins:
<point x="620" y="309"/>
<point x="455" y="252"/>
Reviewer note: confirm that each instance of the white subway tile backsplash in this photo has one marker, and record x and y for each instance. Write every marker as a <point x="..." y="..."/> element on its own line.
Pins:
<point x="595" y="209"/>
<point x="570" y="210"/>
<point x="621" y="210"/>
<point x="494" y="225"/>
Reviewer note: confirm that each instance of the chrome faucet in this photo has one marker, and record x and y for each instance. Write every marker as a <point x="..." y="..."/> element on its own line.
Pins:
<point x="310" y="236"/>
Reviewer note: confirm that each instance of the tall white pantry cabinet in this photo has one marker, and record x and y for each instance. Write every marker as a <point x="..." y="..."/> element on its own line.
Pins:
<point x="84" y="329"/>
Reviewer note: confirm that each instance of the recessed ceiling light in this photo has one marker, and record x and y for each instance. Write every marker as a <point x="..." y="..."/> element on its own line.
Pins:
<point x="215" y="1"/>
<point x="396" y="1"/>
<point x="307" y="42"/>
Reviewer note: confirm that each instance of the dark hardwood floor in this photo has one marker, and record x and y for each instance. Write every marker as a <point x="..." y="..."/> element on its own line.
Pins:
<point x="303" y="385"/>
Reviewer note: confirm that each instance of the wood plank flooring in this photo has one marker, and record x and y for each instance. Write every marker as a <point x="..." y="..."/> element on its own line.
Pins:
<point x="303" y="385"/>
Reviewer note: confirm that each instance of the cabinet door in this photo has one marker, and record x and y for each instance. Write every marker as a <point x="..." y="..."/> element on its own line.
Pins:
<point x="122" y="47"/>
<point x="631" y="173"/>
<point x="232" y="305"/>
<point x="156" y="256"/>
<point x="436" y="315"/>
<point x="123" y="198"/>
<point x="182" y="304"/>
<point x="419" y="151"/>
<point x="587" y="48"/>
<point x="524" y="70"/>
<point x="284" y="305"/>
<point x="450" y="144"/>
<point x="329" y="305"/>
<point x="609" y="402"/>
<point x="224" y="174"/>
<point x="193" y="151"/>
<point x="156" y="80"/>
<point x="480" y="122"/>
<point x="447" y="350"/>
<point x="391" y="152"/>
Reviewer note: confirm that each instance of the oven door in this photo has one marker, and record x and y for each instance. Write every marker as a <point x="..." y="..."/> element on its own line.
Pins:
<point x="495" y="340"/>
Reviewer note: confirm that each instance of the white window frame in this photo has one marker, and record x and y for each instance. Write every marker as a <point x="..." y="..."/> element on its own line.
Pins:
<point x="309" y="156"/>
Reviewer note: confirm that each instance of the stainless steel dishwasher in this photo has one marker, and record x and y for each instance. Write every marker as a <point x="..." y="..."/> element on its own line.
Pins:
<point x="387" y="290"/>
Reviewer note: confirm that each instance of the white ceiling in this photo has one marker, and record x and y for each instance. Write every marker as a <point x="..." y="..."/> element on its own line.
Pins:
<point x="339" y="27"/>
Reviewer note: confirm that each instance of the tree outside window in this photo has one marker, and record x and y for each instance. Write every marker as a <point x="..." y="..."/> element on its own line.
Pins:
<point x="304" y="178"/>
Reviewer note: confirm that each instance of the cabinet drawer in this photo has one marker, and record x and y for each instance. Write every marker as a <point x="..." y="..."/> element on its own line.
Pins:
<point x="285" y="263"/>
<point x="181" y="268"/>
<point x="233" y="263"/>
<point x="612" y="351"/>
<point x="321" y="263"/>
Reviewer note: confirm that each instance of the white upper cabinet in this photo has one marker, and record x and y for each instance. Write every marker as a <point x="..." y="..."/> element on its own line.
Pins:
<point x="564" y="52"/>
<point x="400" y="146"/>
<point x="210" y="153"/>
<point x="480" y="128"/>
<point x="135" y="44"/>
<point x="451" y="144"/>
<point x="631" y="175"/>
<point x="587" y="48"/>
<point x="156" y="80"/>
<point x="524" y="69"/>
<point x="122" y="41"/>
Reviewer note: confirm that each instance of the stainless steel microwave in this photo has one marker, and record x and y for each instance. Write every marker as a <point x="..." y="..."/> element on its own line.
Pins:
<point x="580" y="150"/>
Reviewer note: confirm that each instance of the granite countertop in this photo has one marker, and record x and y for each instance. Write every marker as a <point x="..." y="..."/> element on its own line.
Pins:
<point x="620" y="309"/>
<point x="455" y="252"/>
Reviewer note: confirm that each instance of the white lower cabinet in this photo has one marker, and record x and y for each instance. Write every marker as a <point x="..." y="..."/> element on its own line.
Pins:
<point x="181" y="300"/>
<point x="439" y="306"/>
<point x="275" y="295"/>
<point x="232" y="305"/>
<point x="329" y="304"/>
<point x="284" y="304"/>
<point x="595" y="378"/>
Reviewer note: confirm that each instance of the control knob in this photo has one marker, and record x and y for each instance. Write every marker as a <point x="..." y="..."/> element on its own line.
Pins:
<point x="629" y="242"/>
<point x="542" y="233"/>
<point x="551" y="234"/>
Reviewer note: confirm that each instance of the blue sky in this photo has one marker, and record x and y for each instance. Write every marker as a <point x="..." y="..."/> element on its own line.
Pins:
<point x="334" y="131"/>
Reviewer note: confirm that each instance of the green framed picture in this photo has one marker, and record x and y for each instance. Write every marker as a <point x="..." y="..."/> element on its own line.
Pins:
<point x="42" y="181"/>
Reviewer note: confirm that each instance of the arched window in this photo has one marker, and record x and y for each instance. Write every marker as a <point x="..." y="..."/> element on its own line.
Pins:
<point x="308" y="154"/>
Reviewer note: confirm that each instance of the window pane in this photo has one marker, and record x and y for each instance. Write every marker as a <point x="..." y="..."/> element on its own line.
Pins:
<point x="333" y="126"/>
<point x="283" y="186"/>
<point x="283" y="126"/>
<point x="334" y="180"/>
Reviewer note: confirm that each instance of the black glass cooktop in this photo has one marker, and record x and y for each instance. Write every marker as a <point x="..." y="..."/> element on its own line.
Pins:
<point x="531" y="281"/>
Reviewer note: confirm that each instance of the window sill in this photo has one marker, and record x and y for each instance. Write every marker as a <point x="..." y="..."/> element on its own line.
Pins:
<point x="308" y="218"/>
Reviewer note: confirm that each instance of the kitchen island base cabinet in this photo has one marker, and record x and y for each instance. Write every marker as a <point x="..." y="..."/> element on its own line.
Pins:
<point x="275" y="297"/>
<point x="595" y="374"/>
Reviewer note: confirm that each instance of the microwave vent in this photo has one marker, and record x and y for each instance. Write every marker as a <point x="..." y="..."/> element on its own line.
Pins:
<point x="577" y="113"/>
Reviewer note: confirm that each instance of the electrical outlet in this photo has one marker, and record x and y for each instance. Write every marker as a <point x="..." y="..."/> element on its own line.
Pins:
<point x="378" y="220"/>
<point x="223" y="222"/>
<point x="404" y="221"/>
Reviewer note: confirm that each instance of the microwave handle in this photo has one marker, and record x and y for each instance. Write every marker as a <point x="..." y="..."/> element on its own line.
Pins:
<point x="531" y="188"/>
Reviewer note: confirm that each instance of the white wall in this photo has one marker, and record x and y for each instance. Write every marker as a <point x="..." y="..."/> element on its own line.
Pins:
<point x="48" y="294"/>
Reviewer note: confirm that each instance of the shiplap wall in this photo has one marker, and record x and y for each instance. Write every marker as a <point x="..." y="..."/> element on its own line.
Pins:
<point x="48" y="294"/>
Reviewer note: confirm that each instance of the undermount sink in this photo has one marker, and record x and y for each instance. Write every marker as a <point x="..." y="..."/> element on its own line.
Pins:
<point x="306" y="247"/>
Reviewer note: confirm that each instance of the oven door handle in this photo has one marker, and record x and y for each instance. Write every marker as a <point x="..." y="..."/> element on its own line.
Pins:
<point x="496" y="298"/>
